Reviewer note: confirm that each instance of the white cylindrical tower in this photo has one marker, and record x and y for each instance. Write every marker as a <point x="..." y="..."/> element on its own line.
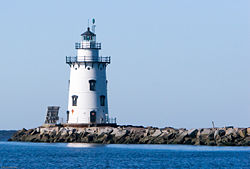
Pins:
<point x="87" y="101"/>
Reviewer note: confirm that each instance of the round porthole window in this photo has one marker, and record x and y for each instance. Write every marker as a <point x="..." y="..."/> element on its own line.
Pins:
<point x="88" y="68"/>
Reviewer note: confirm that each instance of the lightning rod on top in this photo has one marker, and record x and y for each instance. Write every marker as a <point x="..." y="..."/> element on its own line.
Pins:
<point x="93" y="25"/>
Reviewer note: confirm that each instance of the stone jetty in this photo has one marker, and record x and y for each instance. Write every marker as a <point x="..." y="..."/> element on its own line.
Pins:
<point x="227" y="136"/>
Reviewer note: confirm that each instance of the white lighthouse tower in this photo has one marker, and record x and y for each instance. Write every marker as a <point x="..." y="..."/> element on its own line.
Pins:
<point x="87" y="101"/>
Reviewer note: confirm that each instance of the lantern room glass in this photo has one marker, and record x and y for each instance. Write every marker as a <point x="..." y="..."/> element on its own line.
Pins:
<point x="89" y="38"/>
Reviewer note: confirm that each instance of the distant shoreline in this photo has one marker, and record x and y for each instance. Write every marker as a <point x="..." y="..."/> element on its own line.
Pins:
<point x="227" y="136"/>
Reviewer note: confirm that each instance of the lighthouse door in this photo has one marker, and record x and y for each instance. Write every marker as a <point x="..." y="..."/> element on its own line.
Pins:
<point x="92" y="117"/>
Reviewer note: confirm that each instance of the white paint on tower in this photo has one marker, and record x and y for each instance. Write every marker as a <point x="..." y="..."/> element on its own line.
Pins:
<point x="87" y="101"/>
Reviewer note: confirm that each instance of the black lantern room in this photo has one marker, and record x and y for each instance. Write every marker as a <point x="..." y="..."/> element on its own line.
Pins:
<point x="88" y="35"/>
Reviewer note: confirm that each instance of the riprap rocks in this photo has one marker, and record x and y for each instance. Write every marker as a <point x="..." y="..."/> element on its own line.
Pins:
<point x="136" y="135"/>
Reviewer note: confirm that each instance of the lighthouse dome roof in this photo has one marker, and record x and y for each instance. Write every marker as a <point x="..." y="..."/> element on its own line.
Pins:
<point x="88" y="33"/>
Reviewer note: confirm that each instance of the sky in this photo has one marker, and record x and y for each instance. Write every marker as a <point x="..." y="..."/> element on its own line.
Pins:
<point x="174" y="63"/>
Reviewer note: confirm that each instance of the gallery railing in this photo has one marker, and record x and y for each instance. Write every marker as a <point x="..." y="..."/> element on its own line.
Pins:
<point x="76" y="59"/>
<point x="89" y="45"/>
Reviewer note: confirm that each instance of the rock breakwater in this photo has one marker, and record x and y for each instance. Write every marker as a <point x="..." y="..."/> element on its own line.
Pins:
<point x="227" y="136"/>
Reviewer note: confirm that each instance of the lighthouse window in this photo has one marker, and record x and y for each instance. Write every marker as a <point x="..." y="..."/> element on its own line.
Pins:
<point x="74" y="100"/>
<point x="102" y="100"/>
<point x="87" y="37"/>
<point x="92" y="85"/>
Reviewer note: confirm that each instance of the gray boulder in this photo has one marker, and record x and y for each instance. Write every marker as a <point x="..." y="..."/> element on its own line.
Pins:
<point x="242" y="132"/>
<point x="180" y="138"/>
<point x="219" y="133"/>
<point x="192" y="133"/>
<point x="156" y="133"/>
<point x="119" y="133"/>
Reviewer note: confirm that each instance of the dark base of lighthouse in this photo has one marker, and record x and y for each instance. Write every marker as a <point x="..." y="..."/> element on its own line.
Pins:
<point x="88" y="125"/>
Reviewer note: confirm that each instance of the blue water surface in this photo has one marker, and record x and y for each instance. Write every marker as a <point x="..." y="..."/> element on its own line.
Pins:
<point x="77" y="155"/>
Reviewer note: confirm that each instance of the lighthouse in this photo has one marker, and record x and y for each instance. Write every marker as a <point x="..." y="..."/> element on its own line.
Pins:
<point x="87" y="99"/>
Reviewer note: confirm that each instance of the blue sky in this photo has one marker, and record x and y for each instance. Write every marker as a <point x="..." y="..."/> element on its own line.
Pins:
<point x="174" y="63"/>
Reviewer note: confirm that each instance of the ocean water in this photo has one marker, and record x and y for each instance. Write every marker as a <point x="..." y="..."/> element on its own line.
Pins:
<point x="77" y="155"/>
<point x="6" y="134"/>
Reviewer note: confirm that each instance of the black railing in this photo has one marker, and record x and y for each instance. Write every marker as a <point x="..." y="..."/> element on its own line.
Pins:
<point x="88" y="45"/>
<point x="75" y="59"/>
<point x="111" y="120"/>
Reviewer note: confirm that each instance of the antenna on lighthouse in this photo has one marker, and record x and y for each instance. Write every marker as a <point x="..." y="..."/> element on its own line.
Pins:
<point x="93" y="26"/>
